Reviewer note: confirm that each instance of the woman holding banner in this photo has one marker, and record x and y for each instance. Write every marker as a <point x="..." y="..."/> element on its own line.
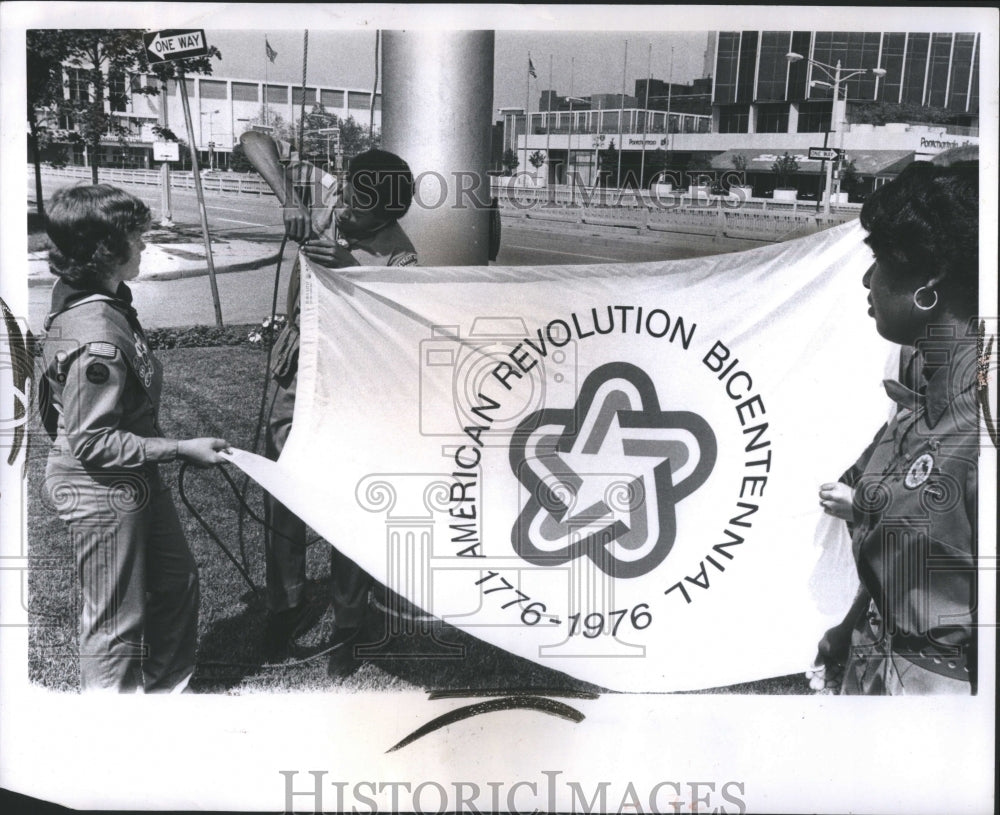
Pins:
<point x="100" y="398"/>
<point x="912" y="628"/>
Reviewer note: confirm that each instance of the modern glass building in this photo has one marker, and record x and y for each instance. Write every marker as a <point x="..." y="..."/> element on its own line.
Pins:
<point x="757" y="90"/>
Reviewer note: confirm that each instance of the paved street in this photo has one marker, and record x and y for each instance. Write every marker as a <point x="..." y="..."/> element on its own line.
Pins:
<point x="246" y="296"/>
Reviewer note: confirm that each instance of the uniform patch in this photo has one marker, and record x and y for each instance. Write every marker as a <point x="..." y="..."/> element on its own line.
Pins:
<point x="98" y="373"/>
<point x="919" y="471"/>
<point x="406" y="259"/>
<point x="103" y="349"/>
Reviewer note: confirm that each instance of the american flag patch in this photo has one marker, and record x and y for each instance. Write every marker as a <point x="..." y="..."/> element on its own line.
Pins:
<point x="103" y="349"/>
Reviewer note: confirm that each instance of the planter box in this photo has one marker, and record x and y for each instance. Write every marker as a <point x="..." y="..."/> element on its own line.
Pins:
<point x="742" y="193"/>
<point x="785" y="194"/>
<point x="661" y="189"/>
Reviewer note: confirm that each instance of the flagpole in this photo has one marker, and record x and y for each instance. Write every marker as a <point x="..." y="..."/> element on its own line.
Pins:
<point x="266" y="60"/>
<point x="527" y="115"/>
<point x="569" y="142"/>
<point x="548" y="125"/>
<point x="621" y="115"/>
<point x="645" y="119"/>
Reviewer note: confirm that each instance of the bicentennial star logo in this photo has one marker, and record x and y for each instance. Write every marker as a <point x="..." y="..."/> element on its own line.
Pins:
<point x="604" y="477"/>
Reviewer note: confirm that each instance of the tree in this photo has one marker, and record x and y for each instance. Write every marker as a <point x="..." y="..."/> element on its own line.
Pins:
<point x="537" y="159"/>
<point x="880" y="113"/>
<point x="608" y="164"/>
<point x="509" y="161"/>
<point x="46" y="51"/>
<point x="102" y="68"/>
<point x="354" y="137"/>
<point x="784" y="168"/>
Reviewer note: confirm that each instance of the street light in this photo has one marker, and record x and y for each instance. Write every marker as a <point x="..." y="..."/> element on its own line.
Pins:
<point x="838" y="74"/>
<point x="211" y="137"/>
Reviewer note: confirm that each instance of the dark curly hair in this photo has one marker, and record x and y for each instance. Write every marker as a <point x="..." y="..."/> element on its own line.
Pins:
<point x="925" y="224"/>
<point x="90" y="227"/>
<point x="382" y="183"/>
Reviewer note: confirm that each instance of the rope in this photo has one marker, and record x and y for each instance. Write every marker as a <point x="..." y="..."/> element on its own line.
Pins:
<point x="302" y="109"/>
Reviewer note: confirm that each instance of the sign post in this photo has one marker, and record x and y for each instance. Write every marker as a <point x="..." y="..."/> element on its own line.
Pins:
<point x="163" y="46"/>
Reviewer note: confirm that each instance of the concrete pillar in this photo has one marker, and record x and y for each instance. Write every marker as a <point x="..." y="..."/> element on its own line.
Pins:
<point x="437" y="109"/>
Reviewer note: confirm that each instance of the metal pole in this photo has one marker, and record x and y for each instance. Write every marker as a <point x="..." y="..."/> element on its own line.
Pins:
<point x="165" y="210"/>
<point x="437" y="91"/>
<point x="645" y="120"/>
<point x="527" y="115"/>
<point x="621" y="114"/>
<point x="841" y="127"/>
<point x="548" y="126"/>
<point x="833" y="126"/>
<point x="569" y="144"/>
<point x="196" y="173"/>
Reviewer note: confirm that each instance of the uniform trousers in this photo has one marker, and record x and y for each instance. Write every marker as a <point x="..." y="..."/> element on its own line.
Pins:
<point x="138" y="578"/>
<point x="285" y="538"/>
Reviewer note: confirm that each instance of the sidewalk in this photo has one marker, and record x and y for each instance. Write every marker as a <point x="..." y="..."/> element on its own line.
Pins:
<point x="178" y="253"/>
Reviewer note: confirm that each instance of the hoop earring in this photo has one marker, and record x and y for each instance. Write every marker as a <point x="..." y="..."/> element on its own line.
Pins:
<point x="916" y="298"/>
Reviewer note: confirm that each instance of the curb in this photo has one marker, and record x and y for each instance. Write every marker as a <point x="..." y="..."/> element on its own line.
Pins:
<point x="45" y="279"/>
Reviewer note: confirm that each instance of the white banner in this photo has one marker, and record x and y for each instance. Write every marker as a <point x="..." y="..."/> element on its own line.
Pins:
<point x="611" y="470"/>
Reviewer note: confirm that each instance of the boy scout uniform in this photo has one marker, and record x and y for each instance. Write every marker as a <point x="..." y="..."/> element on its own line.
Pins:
<point x="285" y="541"/>
<point x="138" y="623"/>
<point x="915" y="536"/>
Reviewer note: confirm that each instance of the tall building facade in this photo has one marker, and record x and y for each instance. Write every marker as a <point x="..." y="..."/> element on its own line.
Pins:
<point x="757" y="90"/>
<point x="221" y="110"/>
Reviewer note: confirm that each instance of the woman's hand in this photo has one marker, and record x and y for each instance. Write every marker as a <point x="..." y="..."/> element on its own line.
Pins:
<point x="202" y="452"/>
<point x="837" y="500"/>
<point x="831" y="657"/>
<point x="332" y="254"/>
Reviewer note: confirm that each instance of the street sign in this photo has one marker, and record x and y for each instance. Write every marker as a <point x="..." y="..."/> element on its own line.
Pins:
<point x="823" y="153"/>
<point x="166" y="151"/>
<point x="175" y="43"/>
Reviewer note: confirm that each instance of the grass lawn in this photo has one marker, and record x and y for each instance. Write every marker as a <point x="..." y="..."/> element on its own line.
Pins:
<point x="215" y="391"/>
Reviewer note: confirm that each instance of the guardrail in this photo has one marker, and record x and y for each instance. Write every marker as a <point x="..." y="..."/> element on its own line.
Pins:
<point x="709" y="215"/>
<point x="639" y="210"/>
<point x="235" y="183"/>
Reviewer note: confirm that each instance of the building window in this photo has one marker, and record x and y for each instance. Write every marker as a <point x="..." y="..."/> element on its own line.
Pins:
<point x="212" y="89"/>
<point x="961" y="69"/>
<point x="245" y="92"/>
<point x="772" y="118"/>
<point x="297" y="96"/>
<point x="915" y="68"/>
<point x="937" y="76"/>
<point x="798" y="71"/>
<point x="727" y="62"/>
<point x="277" y="94"/>
<point x="734" y="119"/>
<point x="814" y="117"/>
<point x="358" y="99"/>
<point x="331" y="99"/>
<point x="748" y="67"/>
<point x="893" y="46"/>
<point x="773" y="72"/>
<point x="117" y="93"/>
<point x="77" y="85"/>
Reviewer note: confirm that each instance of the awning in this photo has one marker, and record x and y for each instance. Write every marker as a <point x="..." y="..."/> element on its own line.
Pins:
<point x="866" y="162"/>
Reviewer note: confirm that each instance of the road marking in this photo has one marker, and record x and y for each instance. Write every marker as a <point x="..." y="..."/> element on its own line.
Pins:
<point x="557" y="252"/>
<point x="234" y="221"/>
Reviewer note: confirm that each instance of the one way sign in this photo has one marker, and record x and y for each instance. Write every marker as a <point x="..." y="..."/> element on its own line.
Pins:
<point x="163" y="46"/>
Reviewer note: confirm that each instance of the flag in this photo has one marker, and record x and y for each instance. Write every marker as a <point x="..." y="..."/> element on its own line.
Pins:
<point x="611" y="470"/>
<point x="531" y="68"/>
<point x="271" y="53"/>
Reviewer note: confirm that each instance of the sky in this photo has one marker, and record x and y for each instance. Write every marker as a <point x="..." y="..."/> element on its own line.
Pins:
<point x="594" y="61"/>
